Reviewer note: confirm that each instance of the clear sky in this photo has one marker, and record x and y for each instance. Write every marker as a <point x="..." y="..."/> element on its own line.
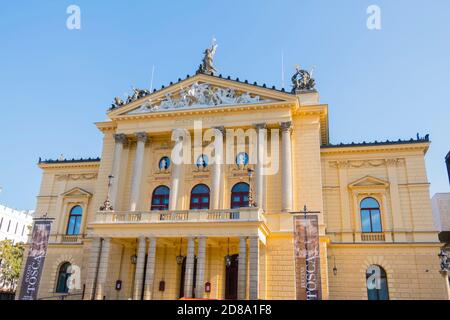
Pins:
<point x="55" y="82"/>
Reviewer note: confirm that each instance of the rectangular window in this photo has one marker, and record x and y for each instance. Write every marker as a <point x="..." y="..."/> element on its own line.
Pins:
<point x="1" y="223"/>
<point x="15" y="231"/>
<point x="23" y="230"/>
<point x="9" y="225"/>
<point x="365" y="221"/>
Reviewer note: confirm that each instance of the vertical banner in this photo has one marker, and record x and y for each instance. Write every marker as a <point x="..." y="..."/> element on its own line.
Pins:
<point x="307" y="258"/>
<point x="35" y="260"/>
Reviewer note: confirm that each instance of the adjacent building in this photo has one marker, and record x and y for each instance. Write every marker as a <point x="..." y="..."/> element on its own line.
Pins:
<point x="14" y="224"/>
<point x="140" y="224"/>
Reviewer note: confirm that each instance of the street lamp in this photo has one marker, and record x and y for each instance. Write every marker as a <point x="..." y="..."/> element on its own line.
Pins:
<point x="228" y="257"/>
<point x="443" y="256"/>
<point x="251" y="201"/>
<point x="179" y="257"/>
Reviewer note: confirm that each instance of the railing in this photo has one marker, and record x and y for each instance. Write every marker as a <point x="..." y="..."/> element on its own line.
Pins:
<point x="65" y="238"/>
<point x="170" y="216"/>
<point x="67" y="296"/>
<point x="372" y="237"/>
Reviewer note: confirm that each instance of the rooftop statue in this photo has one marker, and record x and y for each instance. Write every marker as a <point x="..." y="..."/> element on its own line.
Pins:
<point x="207" y="63"/>
<point x="302" y="80"/>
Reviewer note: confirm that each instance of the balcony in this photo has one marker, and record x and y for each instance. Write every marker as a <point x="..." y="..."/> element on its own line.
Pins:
<point x="373" y="237"/>
<point x="179" y="216"/>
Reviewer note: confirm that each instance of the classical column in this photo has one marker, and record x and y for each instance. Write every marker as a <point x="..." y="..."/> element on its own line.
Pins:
<point x="254" y="268"/>
<point x="189" y="274"/>
<point x="137" y="172"/>
<point x="103" y="269"/>
<point x="121" y="140"/>
<point x="150" y="271"/>
<point x="92" y="266"/>
<point x="242" y="269"/>
<point x="286" y="165"/>
<point x="139" y="273"/>
<point x="176" y="182"/>
<point x="201" y="258"/>
<point x="261" y="132"/>
<point x="217" y="168"/>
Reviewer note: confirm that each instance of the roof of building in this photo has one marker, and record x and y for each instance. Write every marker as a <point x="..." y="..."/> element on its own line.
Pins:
<point x="214" y="76"/>
<point x="73" y="160"/>
<point x="418" y="139"/>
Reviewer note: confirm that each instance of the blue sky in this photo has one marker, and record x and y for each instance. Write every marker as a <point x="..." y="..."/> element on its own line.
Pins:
<point x="55" y="83"/>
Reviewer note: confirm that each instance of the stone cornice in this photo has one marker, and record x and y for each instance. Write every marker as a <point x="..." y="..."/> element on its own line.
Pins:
<point x="70" y="163"/>
<point x="376" y="147"/>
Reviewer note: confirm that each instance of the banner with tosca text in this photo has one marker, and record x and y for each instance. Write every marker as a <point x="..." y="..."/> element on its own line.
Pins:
<point x="307" y="258"/>
<point x="35" y="260"/>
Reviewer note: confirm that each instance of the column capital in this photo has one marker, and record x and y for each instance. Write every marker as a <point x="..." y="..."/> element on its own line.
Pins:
<point x="141" y="136"/>
<point x="286" y="126"/>
<point x="120" y="138"/>
<point x="259" y="126"/>
<point x="221" y="129"/>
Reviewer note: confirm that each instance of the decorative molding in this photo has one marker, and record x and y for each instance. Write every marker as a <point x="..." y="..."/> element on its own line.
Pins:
<point x="364" y="163"/>
<point x="82" y="176"/>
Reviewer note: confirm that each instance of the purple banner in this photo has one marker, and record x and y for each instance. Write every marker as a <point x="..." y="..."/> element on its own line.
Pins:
<point x="35" y="260"/>
<point x="307" y="258"/>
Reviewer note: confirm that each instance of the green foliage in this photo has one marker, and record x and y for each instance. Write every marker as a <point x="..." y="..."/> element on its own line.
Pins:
<point x="10" y="263"/>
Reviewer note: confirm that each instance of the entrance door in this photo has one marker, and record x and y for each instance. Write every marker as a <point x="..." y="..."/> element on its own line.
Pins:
<point x="231" y="279"/>
<point x="183" y="277"/>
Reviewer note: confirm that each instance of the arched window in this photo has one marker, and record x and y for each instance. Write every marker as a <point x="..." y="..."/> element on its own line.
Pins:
<point x="370" y="215"/>
<point x="200" y="197"/>
<point x="63" y="275"/>
<point x="239" y="195"/>
<point x="160" y="198"/>
<point x="74" y="224"/>
<point x="376" y="282"/>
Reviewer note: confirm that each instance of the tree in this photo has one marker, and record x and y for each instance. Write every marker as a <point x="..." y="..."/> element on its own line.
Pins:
<point x="10" y="264"/>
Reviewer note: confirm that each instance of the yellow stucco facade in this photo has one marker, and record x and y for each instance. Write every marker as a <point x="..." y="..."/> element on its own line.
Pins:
<point x="139" y="246"/>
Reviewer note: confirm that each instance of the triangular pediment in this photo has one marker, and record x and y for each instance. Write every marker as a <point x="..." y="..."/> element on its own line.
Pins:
<point x="199" y="92"/>
<point x="368" y="181"/>
<point x="76" y="193"/>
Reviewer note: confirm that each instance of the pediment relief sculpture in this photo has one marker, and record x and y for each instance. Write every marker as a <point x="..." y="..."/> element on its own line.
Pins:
<point x="199" y="95"/>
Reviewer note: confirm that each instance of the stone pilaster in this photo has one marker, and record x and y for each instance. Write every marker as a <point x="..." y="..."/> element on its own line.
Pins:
<point x="189" y="274"/>
<point x="100" y="291"/>
<point x="137" y="172"/>
<point x="286" y="161"/>
<point x="150" y="272"/>
<point x="346" y="222"/>
<point x="254" y="268"/>
<point x="217" y="169"/>
<point x="176" y="181"/>
<point x="242" y="269"/>
<point x="121" y="140"/>
<point x="92" y="265"/>
<point x="397" y="219"/>
<point x="139" y="273"/>
<point x="201" y="258"/>
<point x="262" y="134"/>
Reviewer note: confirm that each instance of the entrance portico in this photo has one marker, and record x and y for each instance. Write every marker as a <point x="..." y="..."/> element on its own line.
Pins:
<point x="170" y="262"/>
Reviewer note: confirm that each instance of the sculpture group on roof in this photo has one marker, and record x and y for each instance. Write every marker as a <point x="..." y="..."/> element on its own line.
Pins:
<point x="205" y="95"/>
